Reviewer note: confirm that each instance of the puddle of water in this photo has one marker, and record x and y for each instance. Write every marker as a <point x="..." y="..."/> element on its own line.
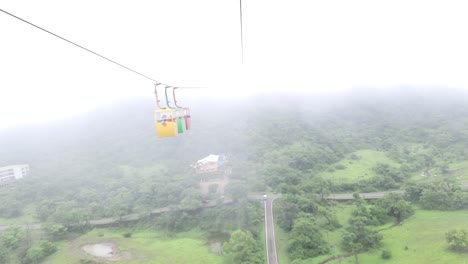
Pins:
<point x="99" y="250"/>
<point x="216" y="239"/>
<point x="217" y="248"/>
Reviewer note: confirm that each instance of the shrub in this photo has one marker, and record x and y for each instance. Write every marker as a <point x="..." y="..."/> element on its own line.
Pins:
<point x="39" y="252"/>
<point x="386" y="254"/>
<point x="340" y="167"/>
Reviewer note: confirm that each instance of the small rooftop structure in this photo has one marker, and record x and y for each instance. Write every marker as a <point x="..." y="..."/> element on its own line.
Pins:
<point x="211" y="163"/>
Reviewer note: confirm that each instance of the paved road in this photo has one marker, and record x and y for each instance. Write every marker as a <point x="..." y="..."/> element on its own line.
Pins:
<point x="270" y="239"/>
<point x="349" y="196"/>
<point x="373" y="195"/>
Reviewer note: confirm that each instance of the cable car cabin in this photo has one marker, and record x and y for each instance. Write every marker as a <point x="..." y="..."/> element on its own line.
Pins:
<point x="180" y="120"/>
<point x="166" y="123"/>
<point x="187" y="117"/>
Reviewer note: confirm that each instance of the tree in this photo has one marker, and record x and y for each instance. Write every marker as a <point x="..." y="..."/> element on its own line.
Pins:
<point x="458" y="239"/>
<point x="249" y="216"/>
<point x="237" y="190"/>
<point x="39" y="252"/>
<point x="359" y="238"/>
<point x="286" y="214"/>
<point x="120" y="202"/>
<point x="370" y="214"/>
<point x="436" y="200"/>
<point x="396" y="207"/>
<point x="242" y="248"/>
<point x="321" y="186"/>
<point x="4" y="255"/>
<point x="352" y="244"/>
<point x="332" y="222"/>
<point x="444" y="195"/>
<point x="413" y="191"/>
<point x="70" y="216"/>
<point x="191" y="200"/>
<point x="12" y="237"/>
<point x="54" y="230"/>
<point x="306" y="240"/>
<point x="10" y="207"/>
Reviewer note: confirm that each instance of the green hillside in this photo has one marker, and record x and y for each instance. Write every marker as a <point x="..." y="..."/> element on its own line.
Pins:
<point x="357" y="166"/>
<point x="109" y="163"/>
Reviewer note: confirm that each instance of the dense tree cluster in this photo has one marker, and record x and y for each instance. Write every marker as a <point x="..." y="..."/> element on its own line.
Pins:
<point x="306" y="241"/>
<point x="438" y="195"/>
<point x="17" y="246"/>
<point x="243" y="249"/>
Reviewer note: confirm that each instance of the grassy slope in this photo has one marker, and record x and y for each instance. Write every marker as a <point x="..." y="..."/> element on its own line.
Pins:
<point x="360" y="169"/>
<point x="459" y="171"/>
<point x="145" y="247"/>
<point x="424" y="234"/>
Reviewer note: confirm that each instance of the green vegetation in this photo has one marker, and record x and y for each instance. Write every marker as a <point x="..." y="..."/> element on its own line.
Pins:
<point x="39" y="251"/>
<point x="357" y="166"/>
<point x="333" y="237"/>
<point x="459" y="171"/>
<point x="144" y="245"/>
<point x="242" y="248"/>
<point x="306" y="241"/>
<point x="421" y="239"/>
<point x="109" y="164"/>
<point x="27" y="217"/>
<point x="281" y="245"/>
<point x="458" y="239"/>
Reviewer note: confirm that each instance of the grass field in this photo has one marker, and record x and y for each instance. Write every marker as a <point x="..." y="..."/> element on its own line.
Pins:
<point x="145" y="246"/>
<point x="424" y="235"/>
<point x="357" y="169"/>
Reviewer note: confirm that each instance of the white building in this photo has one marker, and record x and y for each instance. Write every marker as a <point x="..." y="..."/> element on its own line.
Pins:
<point x="11" y="173"/>
<point x="212" y="163"/>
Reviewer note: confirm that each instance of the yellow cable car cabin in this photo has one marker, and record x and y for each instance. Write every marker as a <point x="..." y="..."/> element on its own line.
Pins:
<point x="166" y="122"/>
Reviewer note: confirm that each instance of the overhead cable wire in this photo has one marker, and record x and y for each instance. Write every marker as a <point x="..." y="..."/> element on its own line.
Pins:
<point x="241" y="31"/>
<point x="86" y="49"/>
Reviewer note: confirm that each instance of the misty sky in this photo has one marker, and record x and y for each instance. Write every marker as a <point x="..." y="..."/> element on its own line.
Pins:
<point x="300" y="45"/>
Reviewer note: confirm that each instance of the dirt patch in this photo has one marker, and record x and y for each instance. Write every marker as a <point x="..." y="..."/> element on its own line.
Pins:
<point x="99" y="251"/>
